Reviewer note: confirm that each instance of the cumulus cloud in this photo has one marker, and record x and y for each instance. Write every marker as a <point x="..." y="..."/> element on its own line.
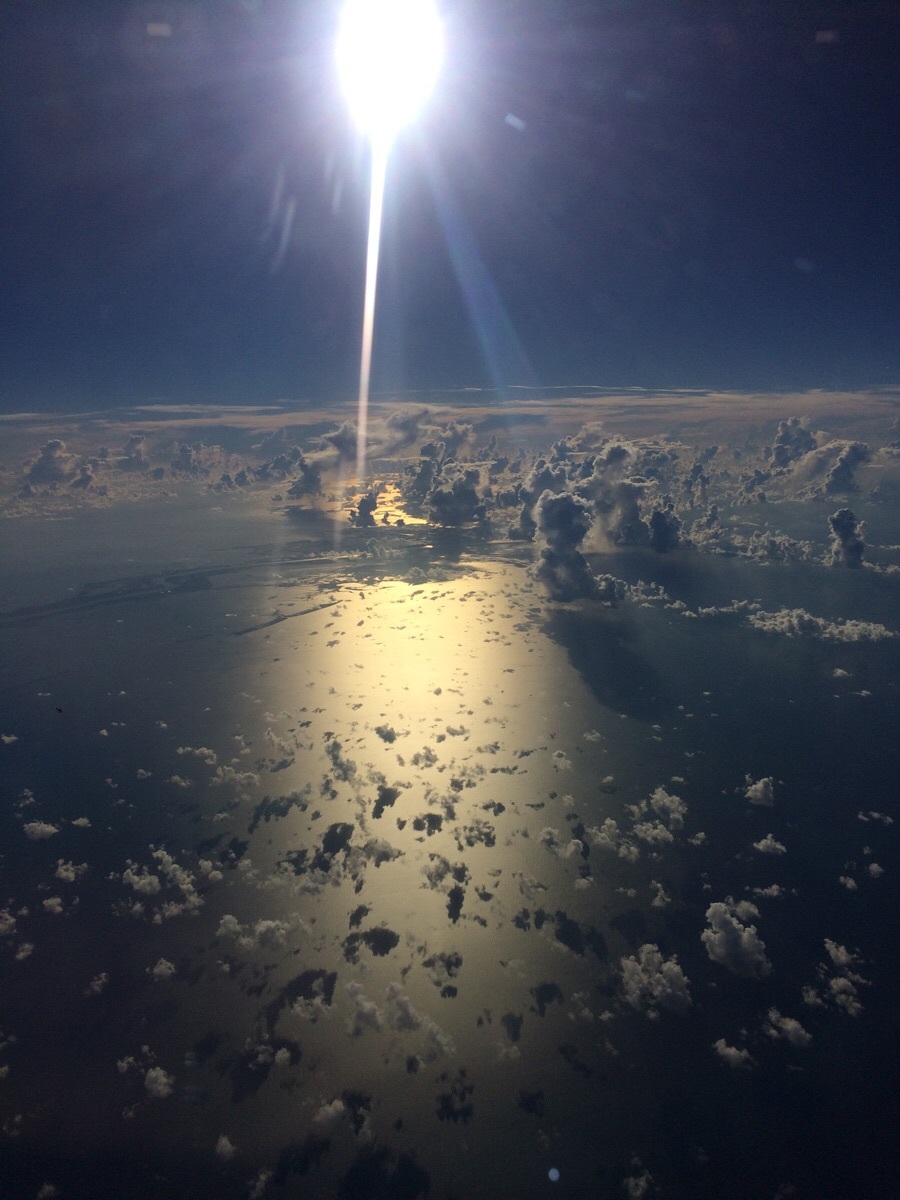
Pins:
<point x="163" y="970"/>
<point x="225" y="1148"/>
<point x="792" y="441"/>
<point x="737" y="1058"/>
<point x="563" y="521"/>
<point x="840" y="478"/>
<point x="768" y="845"/>
<point x="639" y="1185"/>
<point x="159" y="1083"/>
<point x="365" y="1013"/>
<point x="651" y="982"/>
<point x="786" y="1029"/>
<point x="733" y="944"/>
<point x="797" y="622"/>
<point x="54" y="464"/>
<point x="36" y="831"/>
<point x="267" y="933"/>
<point x="330" y="1114"/>
<point x="97" y="985"/>
<point x="141" y="879"/>
<point x="453" y="498"/>
<point x="69" y="872"/>
<point x="761" y="792"/>
<point x="847" y="544"/>
<point x="401" y="1014"/>
<point x="840" y="981"/>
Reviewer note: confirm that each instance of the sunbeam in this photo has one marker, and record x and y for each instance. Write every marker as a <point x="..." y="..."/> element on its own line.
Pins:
<point x="389" y="54"/>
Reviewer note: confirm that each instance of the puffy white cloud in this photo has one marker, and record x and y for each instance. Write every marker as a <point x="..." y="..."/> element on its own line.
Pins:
<point x="69" y="871"/>
<point x="639" y="1185"/>
<point x="52" y="904"/>
<point x="768" y="845"/>
<point x="365" y="1015"/>
<point x="786" y="1028"/>
<point x="97" y="984"/>
<point x="733" y="944"/>
<point x="797" y="622"/>
<point x="225" y="1148"/>
<point x="761" y="792"/>
<point x="736" y="1057"/>
<point x="264" y="933"/>
<point x="159" y="1083"/>
<point x="330" y="1114"/>
<point x="35" y="831"/>
<point x="141" y="880"/>
<point x="669" y="807"/>
<point x="258" y="1187"/>
<point x="8" y="739"/>
<point x="202" y="752"/>
<point x="163" y="970"/>
<point x="653" y="832"/>
<point x="842" y="988"/>
<point x="651" y="981"/>
<point x="401" y="1014"/>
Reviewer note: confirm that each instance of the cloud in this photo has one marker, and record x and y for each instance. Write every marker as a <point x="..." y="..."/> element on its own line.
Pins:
<point x="69" y="872"/>
<point x="97" y="985"/>
<point x="267" y="933"/>
<point x="36" y="831"/>
<point x="163" y="970"/>
<point x="141" y="880"/>
<point x="761" y="792"/>
<point x="225" y="1148"/>
<point x="665" y="529"/>
<point x="768" y="845"/>
<point x="401" y="1014"/>
<point x="840" y="478"/>
<point x="453" y="498"/>
<point x="787" y="1029"/>
<point x="672" y="807"/>
<point x="330" y="1114"/>
<point x="53" y="465"/>
<point x="841" y="979"/>
<point x="792" y="441"/>
<point x="847" y="544"/>
<point x="651" y="982"/>
<point x="563" y="521"/>
<point x="365" y="1015"/>
<point x="797" y="622"/>
<point x="202" y="752"/>
<point x="639" y="1185"/>
<point x="731" y="943"/>
<point x="159" y="1083"/>
<point x="736" y="1058"/>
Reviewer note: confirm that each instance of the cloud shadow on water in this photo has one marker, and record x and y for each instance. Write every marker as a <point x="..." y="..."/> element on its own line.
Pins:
<point x="598" y="646"/>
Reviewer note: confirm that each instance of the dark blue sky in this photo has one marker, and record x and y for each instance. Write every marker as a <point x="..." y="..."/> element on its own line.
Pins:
<point x="703" y="194"/>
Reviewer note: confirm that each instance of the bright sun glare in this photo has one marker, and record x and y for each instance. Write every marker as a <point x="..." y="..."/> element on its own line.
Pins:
<point x="389" y="53"/>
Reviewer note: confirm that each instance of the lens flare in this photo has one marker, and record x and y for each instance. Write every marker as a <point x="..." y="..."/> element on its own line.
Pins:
<point x="389" y="53"/>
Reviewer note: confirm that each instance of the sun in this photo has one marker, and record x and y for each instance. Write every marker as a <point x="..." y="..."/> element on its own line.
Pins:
<point x="389" y="54"/>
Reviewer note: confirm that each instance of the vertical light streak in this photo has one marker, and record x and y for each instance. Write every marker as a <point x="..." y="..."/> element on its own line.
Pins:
<point x="376" y="204"/>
